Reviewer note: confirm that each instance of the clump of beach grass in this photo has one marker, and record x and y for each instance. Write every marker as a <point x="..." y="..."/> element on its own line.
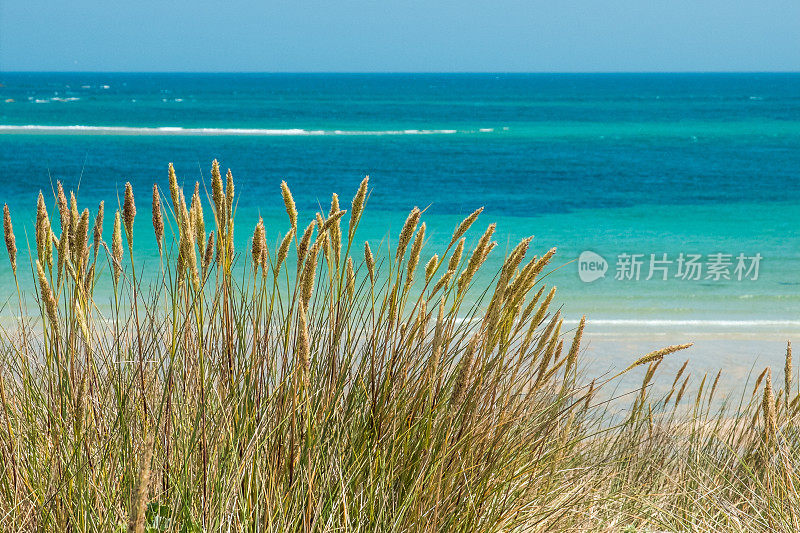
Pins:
<point x="338" y="391"/>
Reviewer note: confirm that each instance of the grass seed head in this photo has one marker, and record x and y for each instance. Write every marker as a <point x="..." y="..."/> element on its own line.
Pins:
<point x="229" y="193"/>
<point x="283" y="250"/>
<point x="787" y="371"/>
<point x="218" y="195"/>
<point x="465" y="224"/>
<point x="208" y="256"/>
<point x="258" y="240"/>
<point x="405" y="234"/>
<point x="11" y="240"/>
<point x="116" y="247"/>
<point x="413" y="257"/>
<point x="158" y="219"/>
<point x="369" y="259"/>
<point x="335" y="229"/>
<point x="357" y="208"/>
<point x="291" y="208"/>
<point x="303" y="244"/>
<point x="128" y="212"/>
<point x="351" y="278"/>
<point x="430" y="267"/>
<point x="50" y="306"/>
<point x="657" y="355"/>
<point x="98" y="227"/>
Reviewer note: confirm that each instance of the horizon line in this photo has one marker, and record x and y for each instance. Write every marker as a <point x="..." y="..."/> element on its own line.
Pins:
<point x="399" y="72"/>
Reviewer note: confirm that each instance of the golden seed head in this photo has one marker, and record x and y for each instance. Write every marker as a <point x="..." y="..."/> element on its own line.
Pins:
<point x="351" y="278"/>
<point x="302" y="246"/>
<point x="370" y="260"/>
<point x="173" y="189"/>
<point x="413" y="258"/>
<point x="572" y="356"/>
<point x="541" y="263"/>
<point x="768" y="406"/>
<point x="196" y="213"/>
<point x="310" y="271"/>
<point x="258" y="239"/>
<point x="787" y="371"/>
<point x="465" y="224"/>
<point x="116" y="247"/>
<point x="478" y="257"/>
<point x="98" y="226"/>
<point x="51" y="308"/>
<point x="136" y="520"/>
<point x="539" y="316"/>
<point x="443" y="281"/>
<point x="11" y="241"/>
<point x="303" y="345"/>
<point x="63" y="209"/>
<point x="455" y="259"/>
<point x="464" y="370"/>
<point x="74" y="215"/>
<point x="430" y="267"/>
<point x="63" y="249"/>
<point x="357" y="207"/>
<point x="182" y="214"/>
<point x="657" y="355"/>
<point x="128" y="212"/>
<point x="283" y="250"/>
<point x="333" y="220"/>
<point x="405" y="234"/>
<point x="335" y="229"/>
<point x="44" y="243"/>
<point x="158" y="219"/>
<point x="81" y="237"/>
<point x="218" y="196"/>
<point x="291" y="209"/>
<point x="209" y="253"/>
<point x="229" y="193"/>
<point x="682" y="390"/>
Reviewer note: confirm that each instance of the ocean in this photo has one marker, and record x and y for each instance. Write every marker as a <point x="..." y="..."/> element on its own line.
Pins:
<point x="690" y="180"/>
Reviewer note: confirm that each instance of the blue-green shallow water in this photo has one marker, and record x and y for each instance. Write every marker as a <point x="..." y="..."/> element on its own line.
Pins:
<point x="649" y="163"/>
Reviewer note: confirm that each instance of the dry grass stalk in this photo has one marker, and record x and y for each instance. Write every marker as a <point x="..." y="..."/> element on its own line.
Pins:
<point x="787" y="372"/>
<point x="136" y="521"/>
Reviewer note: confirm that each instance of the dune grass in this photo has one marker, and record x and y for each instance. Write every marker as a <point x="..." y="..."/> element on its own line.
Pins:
<point x="318" y="386"/>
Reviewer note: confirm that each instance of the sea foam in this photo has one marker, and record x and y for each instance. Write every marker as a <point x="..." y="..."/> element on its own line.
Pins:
<point x="177" y="130"/>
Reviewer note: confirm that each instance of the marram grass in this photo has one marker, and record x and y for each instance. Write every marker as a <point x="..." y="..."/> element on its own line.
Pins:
<point x="313" y="387"/>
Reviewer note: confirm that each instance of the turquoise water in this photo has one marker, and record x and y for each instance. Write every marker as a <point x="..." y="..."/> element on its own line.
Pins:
<point x="611" y="163"/>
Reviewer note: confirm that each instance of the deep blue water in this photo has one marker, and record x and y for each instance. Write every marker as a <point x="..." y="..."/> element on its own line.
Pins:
<point x="637" y="163"/>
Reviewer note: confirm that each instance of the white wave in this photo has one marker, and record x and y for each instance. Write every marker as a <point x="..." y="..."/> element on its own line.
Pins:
<point x="177" y="130"/>
<point x="688" y="322"/>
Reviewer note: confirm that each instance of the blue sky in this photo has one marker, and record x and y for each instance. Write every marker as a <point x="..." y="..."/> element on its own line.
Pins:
<point x="400" y="35"/>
